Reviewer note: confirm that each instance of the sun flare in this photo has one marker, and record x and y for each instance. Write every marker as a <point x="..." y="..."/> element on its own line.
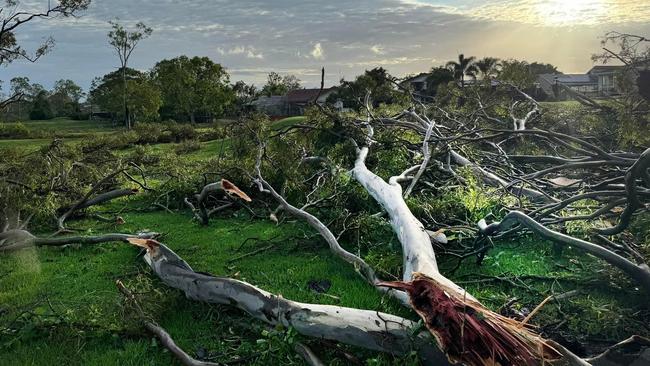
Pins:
<point x="568" y="12"/>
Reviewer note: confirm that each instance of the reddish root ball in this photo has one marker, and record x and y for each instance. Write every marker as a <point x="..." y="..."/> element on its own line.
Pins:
<point x="470" y="333"/>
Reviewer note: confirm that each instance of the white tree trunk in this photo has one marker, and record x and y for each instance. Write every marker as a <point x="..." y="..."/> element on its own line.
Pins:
<point x="417" y="250"/>
<point x="363" y="328"/>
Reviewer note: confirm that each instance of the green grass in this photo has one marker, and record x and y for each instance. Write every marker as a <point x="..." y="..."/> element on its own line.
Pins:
<point x="79" y="285"/>
<point x="66" y="125"/>
<point x="286" y="122"/>
<point x="61" y="305"/>
<point x="78" y="311"/>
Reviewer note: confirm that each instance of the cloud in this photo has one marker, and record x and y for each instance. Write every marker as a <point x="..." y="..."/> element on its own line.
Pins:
<point x="317" y="52"/>
<point x="547" y="12"/>
<point x="249" y="51"/>
<point x="402" y="36"/>
<point x="377" y="49"/>
<point x="389" y="61"/>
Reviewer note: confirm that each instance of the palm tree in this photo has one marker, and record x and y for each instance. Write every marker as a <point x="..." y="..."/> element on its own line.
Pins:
<point x="488" y="67"/>
<point x="464" y="66"/>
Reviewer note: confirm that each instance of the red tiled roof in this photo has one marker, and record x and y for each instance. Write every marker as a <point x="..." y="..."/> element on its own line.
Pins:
<point x="304" y="95"/>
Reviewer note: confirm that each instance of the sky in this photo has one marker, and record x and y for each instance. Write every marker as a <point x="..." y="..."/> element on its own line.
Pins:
<point x="251" y="38"/>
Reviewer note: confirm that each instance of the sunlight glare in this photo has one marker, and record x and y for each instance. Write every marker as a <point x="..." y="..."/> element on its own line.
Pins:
<point x="568" y="12"/>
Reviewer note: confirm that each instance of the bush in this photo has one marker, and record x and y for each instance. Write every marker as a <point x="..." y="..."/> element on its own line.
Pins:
<point x="187" y="147"/>
<point x="181" y="132"/>
<point x="148" y="133"/>
<point x="144" y="155"/>
<point x="14" y="131"/>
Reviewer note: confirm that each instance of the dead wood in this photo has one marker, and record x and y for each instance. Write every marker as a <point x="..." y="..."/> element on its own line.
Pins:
<point x="201" y="211"/>
<point x="363" y="328"/>
<point x="468" y="332"/>
<point x="13" y="240"/>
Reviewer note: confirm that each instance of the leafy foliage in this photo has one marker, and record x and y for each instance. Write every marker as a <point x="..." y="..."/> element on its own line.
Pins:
<point x="192" y="86"/>
<point x="145" y="99"/>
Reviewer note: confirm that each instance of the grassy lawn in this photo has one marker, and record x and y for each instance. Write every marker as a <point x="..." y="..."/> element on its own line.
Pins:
<point x="66" y="308"/>
<point x="285" y="122"/>
<point x="66" y="125"/>
<point x="81" y="320"/>
<point x="61" y="305"/>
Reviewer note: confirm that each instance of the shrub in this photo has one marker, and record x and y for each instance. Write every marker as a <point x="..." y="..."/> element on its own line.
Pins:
<point x="14" y="131"/>
<point x="187" y="147"/>
<point x="148" y="133"/>
<point x="144" y="154"/>
<point x="181" y="132"/>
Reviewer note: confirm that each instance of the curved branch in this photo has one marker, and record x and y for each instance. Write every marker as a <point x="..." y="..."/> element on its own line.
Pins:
<point x="640" y="273"/>
<point x="363" y="328"/>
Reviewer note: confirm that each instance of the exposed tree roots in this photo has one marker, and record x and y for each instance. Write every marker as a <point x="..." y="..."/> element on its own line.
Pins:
<point x="470" y="333"/>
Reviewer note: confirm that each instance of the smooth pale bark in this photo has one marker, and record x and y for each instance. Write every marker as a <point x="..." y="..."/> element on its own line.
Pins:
<point x="417" y="250"/>
<point x="495" y="180"/>
<point x="12" y="240"/>
<point x="363" y="328"/>
<point x="639" y="272"/>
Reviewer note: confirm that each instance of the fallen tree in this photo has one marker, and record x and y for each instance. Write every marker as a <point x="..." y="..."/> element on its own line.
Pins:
<point x="363" y="328"/>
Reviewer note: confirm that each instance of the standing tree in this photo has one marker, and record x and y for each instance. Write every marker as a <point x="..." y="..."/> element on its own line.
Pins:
<point x="65" y="97"/>
<point x="41" y="108"/>
<point x="280" y="85"/>
<point x="438" y="76"/>
<point x="12" y="19"/>
<point x="632" y="82"/>
<point x="488" y="67"/>
<point x="191" y="86"/>
<point x="464" y="67"/>
<point x="378" y="81"/>
<point x="244" y="94"/>
<point x="124" y="42"/>
<point x="21" y="91"/>
<point x="106" y="92"/>
<point x="523" y="74"/>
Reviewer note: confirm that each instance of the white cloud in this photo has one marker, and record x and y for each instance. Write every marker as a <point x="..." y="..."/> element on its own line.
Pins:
<point x="238" y="50"/>
<point x="388" y="62"/>
<point x="249" y="51"/>
<point x="317" y="53"/>
<point x="252" y="54"/>
<point x="550" y="12"/>
<point x="377" y="49"/>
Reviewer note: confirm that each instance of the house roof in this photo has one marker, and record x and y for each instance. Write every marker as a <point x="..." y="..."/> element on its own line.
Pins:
<point x="417" y="78"/>
<point x="569" y="79"/>
<point x="604" y="69"/>
<point x="265" y="101"/>
<point x="305" y="95"/>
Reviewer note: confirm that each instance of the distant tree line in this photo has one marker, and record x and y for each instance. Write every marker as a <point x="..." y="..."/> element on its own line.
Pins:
<point x="36" y="102"/>
<point x="459" y="73"/>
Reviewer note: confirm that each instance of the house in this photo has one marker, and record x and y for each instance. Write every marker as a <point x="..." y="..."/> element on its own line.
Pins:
<point x="292" y="104"/>
<point x="298" y="100"/>
<point x="597" y="82"/>
<point x="417" y="83"/>
<point x="273" y="106"/>
<point x="604" y="74"/>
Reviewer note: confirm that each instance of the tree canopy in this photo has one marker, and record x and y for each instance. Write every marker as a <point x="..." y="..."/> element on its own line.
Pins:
<point x="280" y="85"/>
<point x="144" y="97"/>
<point x="377" y="81"/>
<point x="192" y="86"/>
